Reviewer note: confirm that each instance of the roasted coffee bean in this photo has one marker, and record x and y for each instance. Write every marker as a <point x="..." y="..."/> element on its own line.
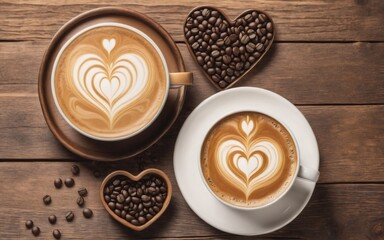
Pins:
<point x="112" y="205"/>
<point x="135" y="222"/>
<point x="69" y="182"/>
<point x="87" y="213"/>
<point x="52" y="219"/>
<point x="36" y="231"/>
<point x="120" y="198"/>
<point x="259" y="47"/>
<point x="82" y="192"/>
<point x="117" y="212"/>
<point x="75" y="169"/>
<point x="119" y="206"/>
<point x="80" y="200"/>
<point x="56" y="234"/>
<point x="47" y="199"/>
<point x="69" y="216"/>
<point x="29" y="224"/>
<point x="135" y="200"/>
<point x="58" y="183"/>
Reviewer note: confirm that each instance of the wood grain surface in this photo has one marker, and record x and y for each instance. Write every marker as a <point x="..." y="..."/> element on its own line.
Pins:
<point x="328" y="60"/>
<point x="343" y="20"/>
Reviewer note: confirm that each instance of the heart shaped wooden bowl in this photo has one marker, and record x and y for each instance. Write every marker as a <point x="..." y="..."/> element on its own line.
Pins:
<point x="150" y="171"/>
<point x="226" y="50"/>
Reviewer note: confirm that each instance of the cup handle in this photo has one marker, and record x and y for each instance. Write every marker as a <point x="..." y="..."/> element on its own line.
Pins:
<point x="308" y="174"/>
<point x="180" y="79"/>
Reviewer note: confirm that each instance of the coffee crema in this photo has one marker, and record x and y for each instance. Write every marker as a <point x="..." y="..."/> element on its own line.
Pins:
<point x="110" y="82"/>
<point x="248" y="159"/>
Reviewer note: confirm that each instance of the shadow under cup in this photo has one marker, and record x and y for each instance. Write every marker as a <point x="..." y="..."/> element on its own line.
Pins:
<point x="238" y="147"/>
<point x="110" y="81"/>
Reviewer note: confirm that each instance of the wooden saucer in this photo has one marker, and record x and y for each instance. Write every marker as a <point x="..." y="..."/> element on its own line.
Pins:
<point x="117" y="150"/>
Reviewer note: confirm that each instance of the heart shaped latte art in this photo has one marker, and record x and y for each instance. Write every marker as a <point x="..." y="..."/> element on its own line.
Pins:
<point x="248" y="164"/>
<point x="227" y="50"/>
<point x="110" y="84"/>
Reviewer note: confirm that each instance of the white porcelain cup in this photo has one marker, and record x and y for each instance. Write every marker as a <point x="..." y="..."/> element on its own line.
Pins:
<point x="301" y="172"/>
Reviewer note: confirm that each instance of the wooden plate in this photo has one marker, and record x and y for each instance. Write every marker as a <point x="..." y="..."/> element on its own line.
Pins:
<point x="117" y="150"/>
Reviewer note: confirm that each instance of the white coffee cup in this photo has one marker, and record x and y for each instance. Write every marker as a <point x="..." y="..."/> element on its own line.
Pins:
<point x="173" y="80"/>
<point x="301" y="172"/>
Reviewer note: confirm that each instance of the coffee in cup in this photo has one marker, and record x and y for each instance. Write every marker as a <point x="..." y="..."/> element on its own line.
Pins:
<point x="110" y="81"/>
<point x="248" y="160"/>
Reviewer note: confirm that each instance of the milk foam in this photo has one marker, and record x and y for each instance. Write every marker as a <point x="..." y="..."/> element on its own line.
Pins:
<point x="248" y="158"/>
<point x="110" y="85"/>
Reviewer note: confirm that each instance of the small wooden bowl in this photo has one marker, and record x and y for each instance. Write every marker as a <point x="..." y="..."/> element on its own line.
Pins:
<point x="137" y="178"/>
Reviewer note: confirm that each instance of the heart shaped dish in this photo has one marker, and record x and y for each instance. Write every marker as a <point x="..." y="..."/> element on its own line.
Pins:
<point x="136" y="201"/>
<point x="227" y="50"/>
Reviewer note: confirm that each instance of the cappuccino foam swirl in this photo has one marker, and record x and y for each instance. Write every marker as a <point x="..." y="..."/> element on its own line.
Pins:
<point x="110" y="85"/>
<point x="248" y="159"/>
<point x="248" y="164"/>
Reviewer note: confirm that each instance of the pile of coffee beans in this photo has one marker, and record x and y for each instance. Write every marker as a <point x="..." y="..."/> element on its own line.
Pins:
<point x="227" y="50"/>
<point x="69" y="217"/>
<point x="136" y="202"/>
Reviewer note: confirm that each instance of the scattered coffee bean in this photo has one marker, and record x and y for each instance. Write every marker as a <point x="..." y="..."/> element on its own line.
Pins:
<point x="52" y="219"/>
<point x="136" y="201"/>
<point x="69" y="216"/>
<point x="36" y="231"/>
<point x="83" y="192"/>
<point x="56" y="234"/>
<point x="47" y="199"/>
<point x="75" y="170"/>
<point x="80" y="201"/>
<point x="58" y="183"/>
<point x="223" y="49"/>
<point x="69" y="182"/>
<point x="29" y="224"/>
<point x="87" y="213"/>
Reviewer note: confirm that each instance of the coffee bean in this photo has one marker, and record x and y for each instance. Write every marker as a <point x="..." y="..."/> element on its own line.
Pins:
<point x="259" y="47"/>
<point x="135" y="222"/>
<point x="112" y="205"/>
<point x="135" y="200"/>
<point x="52" y="219"/>
<point x="69" y="182"/>
<point x="215" y="54"/>
<point x="82" y="192"/>
<point x="120" y="198"/>
<point x="262" y="18"/>
<point x="56" y="234"/>
<point x="36" y="231"/>
<point x="58" y="183"/>
<point x="222" y="84"/>
<point x="69" y="216"/>
<point x="269" y="35"/>
<point x="250" y="47"/>
<point x="245" y="39"/>
<point x="87" y="213"/>
<point x="47" y="199"/>
<point x="29" y="224"/>
<point x="236" y="51"/>
<point x="80" y="200"/>
<point x="75" y="169"/>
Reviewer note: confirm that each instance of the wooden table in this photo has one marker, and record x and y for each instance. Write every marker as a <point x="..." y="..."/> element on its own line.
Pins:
<point x="328" y="59"/>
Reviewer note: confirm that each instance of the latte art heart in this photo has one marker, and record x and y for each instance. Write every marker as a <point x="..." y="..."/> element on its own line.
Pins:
<point x="248" y="159"/>
<point x="110" y="81"/>
<point x="241" y="161"/>
<point x="110" y="85"/>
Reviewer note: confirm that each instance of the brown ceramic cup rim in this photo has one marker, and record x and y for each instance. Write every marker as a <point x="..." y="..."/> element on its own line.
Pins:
<point x="231" y="21"/>
<point x="136" y="178"/>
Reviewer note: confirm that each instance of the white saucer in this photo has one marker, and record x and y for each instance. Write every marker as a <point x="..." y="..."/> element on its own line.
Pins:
<point x="187" y="156"/>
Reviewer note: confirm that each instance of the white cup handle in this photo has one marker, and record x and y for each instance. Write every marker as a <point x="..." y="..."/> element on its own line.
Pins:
<point x="308" y="174"/>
